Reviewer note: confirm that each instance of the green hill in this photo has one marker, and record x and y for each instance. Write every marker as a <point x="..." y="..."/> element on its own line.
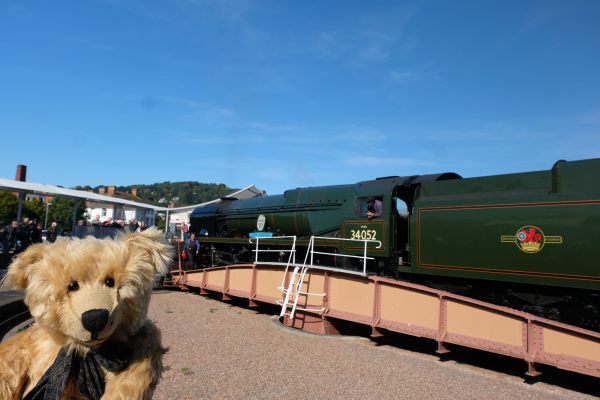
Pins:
<point x="179" y="193"/>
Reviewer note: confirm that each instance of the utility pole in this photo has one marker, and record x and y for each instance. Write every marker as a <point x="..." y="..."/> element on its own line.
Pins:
<point x="48" y="204"/>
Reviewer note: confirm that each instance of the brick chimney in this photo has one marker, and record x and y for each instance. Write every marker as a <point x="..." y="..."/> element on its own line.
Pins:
<point x="134" y="191"/>
<point x="21" y="176"/>
<point x="101" y="190"/>
<point x="111" y="190"/>
<point x="21" y="173"/>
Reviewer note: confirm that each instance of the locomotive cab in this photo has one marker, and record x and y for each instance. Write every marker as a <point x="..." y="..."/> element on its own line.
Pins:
<point x="397" y="195"/>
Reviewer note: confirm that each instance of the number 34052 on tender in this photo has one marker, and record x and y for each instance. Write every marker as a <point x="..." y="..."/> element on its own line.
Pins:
<point x="363" y="234"/>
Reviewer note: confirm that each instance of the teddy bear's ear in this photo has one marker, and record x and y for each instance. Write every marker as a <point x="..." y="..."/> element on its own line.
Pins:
<point x="21" y="269"/>
<point x="153" y="243"/>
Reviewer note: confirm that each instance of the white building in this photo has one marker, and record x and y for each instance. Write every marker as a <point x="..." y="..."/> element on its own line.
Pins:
<point x="97" y="204"/>
<point x="120" y="212"/>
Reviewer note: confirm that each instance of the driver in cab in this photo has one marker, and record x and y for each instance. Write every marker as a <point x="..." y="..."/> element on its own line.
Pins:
<point x="374" y="208"/>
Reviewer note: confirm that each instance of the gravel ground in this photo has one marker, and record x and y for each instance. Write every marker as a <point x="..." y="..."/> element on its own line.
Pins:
<point x="219" y="351"/>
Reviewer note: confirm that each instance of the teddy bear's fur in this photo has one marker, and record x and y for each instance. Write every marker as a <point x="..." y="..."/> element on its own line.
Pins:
<point x="66" y="279"/>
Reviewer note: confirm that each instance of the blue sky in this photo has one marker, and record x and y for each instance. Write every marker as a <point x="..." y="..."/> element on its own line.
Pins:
<point x="289" y="94"/>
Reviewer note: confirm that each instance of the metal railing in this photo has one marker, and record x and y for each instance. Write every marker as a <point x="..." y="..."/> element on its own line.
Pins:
<point x="311" y="251"/>
<point x="292" y="251"/>
<point x="291" y="258"/>
<point x="294" y="290"/>
<point x="98" y="231"/>
<point x="364" y="257"/>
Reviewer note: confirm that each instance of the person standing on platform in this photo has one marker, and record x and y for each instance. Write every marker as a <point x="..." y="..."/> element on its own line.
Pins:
<point x="52" y="232"/>
<point x="184" y="231"/>
<point x="4" y="238"/>
<point x="11" y="231"/>
<point x="24" y="235"/>
<point x="192" y="248"/>
<point x="36" y="234"/>
<point x="133" y="225"/>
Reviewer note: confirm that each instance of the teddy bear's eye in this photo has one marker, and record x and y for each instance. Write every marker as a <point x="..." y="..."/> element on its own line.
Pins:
<point x="73" y="286"/>
<point x="110" y="282"/>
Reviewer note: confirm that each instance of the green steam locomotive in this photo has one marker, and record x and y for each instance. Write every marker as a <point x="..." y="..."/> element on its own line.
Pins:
<point x="525" y="240"/>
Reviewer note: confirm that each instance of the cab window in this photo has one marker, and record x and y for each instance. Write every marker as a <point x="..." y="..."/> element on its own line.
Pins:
<point x="370" y="207"/>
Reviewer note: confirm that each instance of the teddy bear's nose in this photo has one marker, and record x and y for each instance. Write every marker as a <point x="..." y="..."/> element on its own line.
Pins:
<point x="94" y="320"/>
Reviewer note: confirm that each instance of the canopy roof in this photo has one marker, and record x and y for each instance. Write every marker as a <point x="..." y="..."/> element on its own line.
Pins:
<point x="245" y="193"/>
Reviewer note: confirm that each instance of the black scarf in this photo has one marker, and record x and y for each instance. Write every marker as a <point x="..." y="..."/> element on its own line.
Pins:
<point x="86" y="370"/>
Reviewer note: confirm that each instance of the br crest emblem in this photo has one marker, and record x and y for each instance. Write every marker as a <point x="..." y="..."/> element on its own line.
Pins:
<point x="530" y="239"/>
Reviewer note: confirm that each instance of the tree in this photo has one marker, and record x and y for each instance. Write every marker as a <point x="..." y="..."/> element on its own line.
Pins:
<point x="8" y="207"/>
<point x="34" y="209"/>
<point x="181" y="193"/>
<point x="159" y="222"/>
<point x="61" y="211"/>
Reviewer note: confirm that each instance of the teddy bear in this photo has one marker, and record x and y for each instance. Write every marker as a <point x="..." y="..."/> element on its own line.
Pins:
<point x="91" y="337"/>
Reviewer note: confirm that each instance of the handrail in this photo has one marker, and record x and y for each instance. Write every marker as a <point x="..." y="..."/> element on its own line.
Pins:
<point x="291" y="257"/>
<point x="258" y="239"/>
<point x="305" y="267"/>
<point x="296" y="281"/>
<point x="312" y="252"/>
<point x="364" y="256"/>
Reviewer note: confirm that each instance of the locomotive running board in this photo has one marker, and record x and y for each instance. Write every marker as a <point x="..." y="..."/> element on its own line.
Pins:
<point x="391" y="305"/>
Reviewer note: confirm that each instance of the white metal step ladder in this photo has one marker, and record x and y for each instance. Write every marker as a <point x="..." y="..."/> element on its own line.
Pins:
<point x="294" y="289"/>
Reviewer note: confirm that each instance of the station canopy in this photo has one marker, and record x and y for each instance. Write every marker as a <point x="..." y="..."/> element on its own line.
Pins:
<point x="245" y="193"/>
<point x="42" y="189"/>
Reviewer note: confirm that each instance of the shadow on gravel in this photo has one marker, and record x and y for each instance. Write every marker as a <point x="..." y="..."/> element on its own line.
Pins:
<point x="491" y="362"/>
<point x="511" y="366"/>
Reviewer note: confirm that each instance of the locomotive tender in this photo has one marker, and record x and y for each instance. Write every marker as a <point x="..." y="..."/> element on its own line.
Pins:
<point x="524" y="240"/>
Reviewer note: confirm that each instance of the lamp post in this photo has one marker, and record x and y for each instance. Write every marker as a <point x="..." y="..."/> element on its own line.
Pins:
<point x="46" y="220"/>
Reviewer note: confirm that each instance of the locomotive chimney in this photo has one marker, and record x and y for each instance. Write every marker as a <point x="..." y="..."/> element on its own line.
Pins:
<point x="101" y="190"/>
<point x="111" y="190"/>
<point x="134" y="191"/>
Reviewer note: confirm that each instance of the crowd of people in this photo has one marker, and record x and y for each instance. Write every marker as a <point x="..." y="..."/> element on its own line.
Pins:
<point x="17" y="236"/>
<point x="133" y="225"/>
